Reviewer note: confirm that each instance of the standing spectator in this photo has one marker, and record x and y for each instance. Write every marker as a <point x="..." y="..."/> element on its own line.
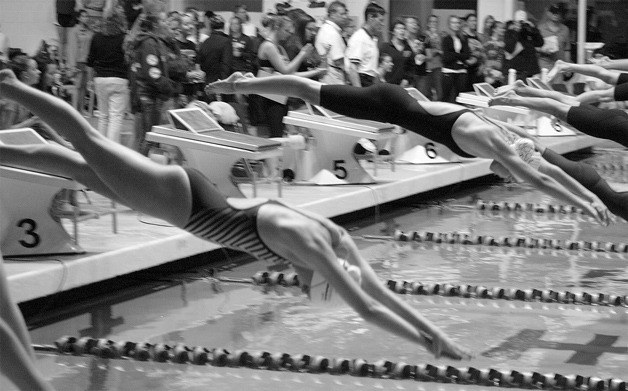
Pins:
<point x="243" y="57"/>
<point x="273" y="58"/>
<point x="4" y="48"/>
<point x="494" y="49"/>
<point x="330" y="44"/>
<point x="434" y="58"/>
<point x="150" y="82"/>
<point x="419" y="43"/>
<point x="474" y="72"/>
<point x="132" y="10"/>
<point x="456" y="59"/>
<point x="79" y="41"/>
<point x="106" y="58"/>
<point x="521" y="40"/>
<point x="95" y="10"/>
<point x="175" y="24"/>
<point x="384" y="67"/>
<point x="401" y="54"/>
<point x="248" y="28"/>
<point x="555" y="34"/>
<point x="214" y="54"/>
<point x="191" y="24"/>
<point x="487" y="26"/>
<point x="305" y="33"/>
<point x="362" y="51"/>
<point x="66" y="19"/>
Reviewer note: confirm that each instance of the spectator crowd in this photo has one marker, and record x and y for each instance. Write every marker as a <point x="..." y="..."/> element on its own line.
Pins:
<point x="135" y="59"/>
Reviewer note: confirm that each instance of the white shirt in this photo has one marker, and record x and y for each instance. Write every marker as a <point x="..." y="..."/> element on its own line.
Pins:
<point x="330" y="45"/>
<point x="362" y="50"/>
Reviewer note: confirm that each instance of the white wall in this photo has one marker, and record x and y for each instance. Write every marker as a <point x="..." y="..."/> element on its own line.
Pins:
<point x="502" y="10"/>
<point x="27" y="22"/>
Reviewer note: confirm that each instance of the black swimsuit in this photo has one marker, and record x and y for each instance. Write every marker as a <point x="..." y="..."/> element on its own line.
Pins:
<point x="391" y="103"/>
<point x="213" y="219"/>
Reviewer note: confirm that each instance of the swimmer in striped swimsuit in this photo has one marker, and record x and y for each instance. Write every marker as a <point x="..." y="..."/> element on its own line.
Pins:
<point x="466" y="133"/>
<point x="186" y="199"/>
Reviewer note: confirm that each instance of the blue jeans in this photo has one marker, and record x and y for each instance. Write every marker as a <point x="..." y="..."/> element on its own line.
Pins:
<point x="150" y="115"/>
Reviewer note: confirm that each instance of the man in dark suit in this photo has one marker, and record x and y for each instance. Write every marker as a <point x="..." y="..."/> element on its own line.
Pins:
<point x="214" y="54"/>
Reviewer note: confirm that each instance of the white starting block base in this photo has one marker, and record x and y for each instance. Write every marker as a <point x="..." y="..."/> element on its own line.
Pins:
<point x="330" y="143"/>
<point x="415" y="149"/>
<point x="213" y="160"/>
<point x="534" y="122"/>
<point x="26" y="226"/>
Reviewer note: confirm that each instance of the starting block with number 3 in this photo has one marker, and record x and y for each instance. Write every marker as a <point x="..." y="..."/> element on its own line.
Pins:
<point x="26" y="225"/>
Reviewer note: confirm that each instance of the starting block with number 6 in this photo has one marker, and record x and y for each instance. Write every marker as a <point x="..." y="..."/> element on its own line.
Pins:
<point x="26" y="225"/>
<point x="415" y="149"/>
<point x="331" y="139"/>
<point x="534" y="122"/>
<point x="207" y="147"/>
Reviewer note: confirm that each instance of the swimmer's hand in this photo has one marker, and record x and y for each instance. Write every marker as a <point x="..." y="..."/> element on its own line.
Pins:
<point x="440" y="345"/>
<point x="598" y="211"/>
<point x="6" y="77"/>
<point x="227" y="86"/>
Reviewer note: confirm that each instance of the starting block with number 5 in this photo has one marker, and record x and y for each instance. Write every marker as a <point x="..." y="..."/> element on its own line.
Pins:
<point x="331" y="139"/>
<point x="26" y="225"/>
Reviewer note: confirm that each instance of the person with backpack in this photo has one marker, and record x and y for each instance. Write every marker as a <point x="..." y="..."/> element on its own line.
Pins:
<point x="154" y="76"/>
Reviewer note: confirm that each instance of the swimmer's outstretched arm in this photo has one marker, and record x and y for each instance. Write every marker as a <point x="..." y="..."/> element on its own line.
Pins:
<point x="504" y="154"/>
<point x="593" y="96"/>
<point x="608" y="76"/>
<point x="16" y="353"/>
<point x="544" y="104"/>
<point x="438" y="342"/>
<point x="573" y="186"/>
<point x="308" y="242"/>
<point x="143" y="185"/>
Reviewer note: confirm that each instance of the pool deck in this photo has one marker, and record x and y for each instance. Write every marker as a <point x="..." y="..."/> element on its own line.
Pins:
<point x="143" y="242"/>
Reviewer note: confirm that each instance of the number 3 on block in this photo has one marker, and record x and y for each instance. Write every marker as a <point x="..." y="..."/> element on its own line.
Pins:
<point x="29" y="226"/>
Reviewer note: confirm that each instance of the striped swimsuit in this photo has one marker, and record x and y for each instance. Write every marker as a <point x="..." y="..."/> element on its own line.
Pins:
<point x="213" y="219"/>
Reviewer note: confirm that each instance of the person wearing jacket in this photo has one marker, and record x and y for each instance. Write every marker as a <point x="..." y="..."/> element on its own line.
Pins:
<point x="151" y="77"/>
<point x="456" y="58"/>
<point x="520" y="43"/>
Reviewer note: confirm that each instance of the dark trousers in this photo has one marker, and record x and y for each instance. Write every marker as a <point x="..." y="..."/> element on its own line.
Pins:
<point x="453" y="84"/>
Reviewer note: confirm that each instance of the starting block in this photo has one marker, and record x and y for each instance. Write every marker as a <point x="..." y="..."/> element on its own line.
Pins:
<point x="415" y="149"/>
<point x="207" y="147"/>
<point x="328" y="157"/>
<point x="26" y="225"/>
<point x="534" y="122"/>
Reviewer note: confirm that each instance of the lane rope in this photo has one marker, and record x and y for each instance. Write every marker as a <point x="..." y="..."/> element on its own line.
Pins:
<point x="502" y="241"/>
<point x="454" y="290"/>
<point x="482" y="292"/>
<point x="383" y="369"/>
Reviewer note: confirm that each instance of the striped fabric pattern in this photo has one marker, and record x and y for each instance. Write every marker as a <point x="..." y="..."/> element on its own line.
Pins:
<point x="231" y="228"/>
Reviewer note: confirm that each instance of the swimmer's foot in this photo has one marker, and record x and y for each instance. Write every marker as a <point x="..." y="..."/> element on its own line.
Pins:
<point x="227" y="86"/>
<point x="509" y="98"/>
<point x="559" y="67"/>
